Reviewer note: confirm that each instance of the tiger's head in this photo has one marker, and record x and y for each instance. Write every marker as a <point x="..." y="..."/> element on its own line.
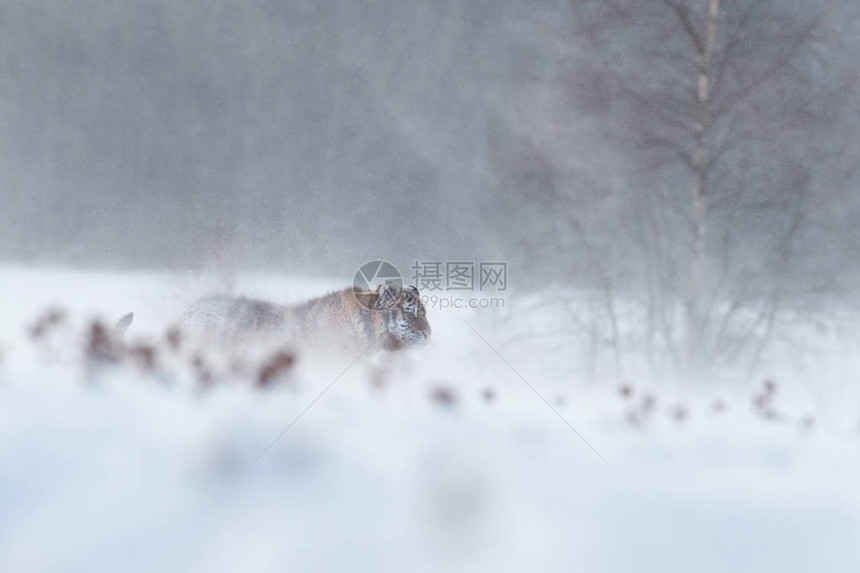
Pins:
<point x="403" y="315"/>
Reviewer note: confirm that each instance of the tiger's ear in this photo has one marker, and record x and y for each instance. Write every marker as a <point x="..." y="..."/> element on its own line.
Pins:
<point x="389" y="295"/>
<point x="412" y="288"/>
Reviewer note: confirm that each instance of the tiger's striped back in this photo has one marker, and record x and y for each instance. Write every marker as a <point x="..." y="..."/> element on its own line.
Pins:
<point x="392" y="316"/>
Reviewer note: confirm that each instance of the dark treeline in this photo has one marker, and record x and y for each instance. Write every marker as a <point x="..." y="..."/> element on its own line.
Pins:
<point x="150" y="133"/>
<point x="558" y="136"/>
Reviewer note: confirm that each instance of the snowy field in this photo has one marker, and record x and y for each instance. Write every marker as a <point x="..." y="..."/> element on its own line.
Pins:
<point x="467" y="455"/>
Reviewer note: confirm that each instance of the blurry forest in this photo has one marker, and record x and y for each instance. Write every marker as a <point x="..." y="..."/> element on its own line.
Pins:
<point x="700" y="157"/>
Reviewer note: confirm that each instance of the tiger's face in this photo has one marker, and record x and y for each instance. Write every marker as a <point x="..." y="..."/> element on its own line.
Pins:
<point x="404" y="315"/>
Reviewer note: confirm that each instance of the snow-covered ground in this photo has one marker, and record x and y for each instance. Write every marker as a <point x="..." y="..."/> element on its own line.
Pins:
<point x="467" y="455"/>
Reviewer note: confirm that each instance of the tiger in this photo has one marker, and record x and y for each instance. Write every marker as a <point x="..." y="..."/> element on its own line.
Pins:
<point x="392" y="315"/>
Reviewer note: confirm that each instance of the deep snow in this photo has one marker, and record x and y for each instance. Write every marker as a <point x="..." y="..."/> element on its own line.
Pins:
<point x="117" y="469"/>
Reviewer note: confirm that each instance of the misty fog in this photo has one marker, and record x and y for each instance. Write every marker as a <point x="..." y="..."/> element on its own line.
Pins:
<point x="162" y="134"/>
<point x="150" y="134"/>
<point x="634" y="225"/>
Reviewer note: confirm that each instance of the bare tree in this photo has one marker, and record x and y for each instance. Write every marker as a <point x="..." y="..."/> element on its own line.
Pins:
<point x="724" y="113"/>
